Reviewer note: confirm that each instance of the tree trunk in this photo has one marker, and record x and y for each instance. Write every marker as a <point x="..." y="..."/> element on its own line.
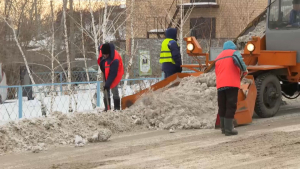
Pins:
<point x="68" y="54"/>
<point x="41" y="99"/>
<point x="104" y="25"/>
<point x="84" y="56"/>
<point x="72" y="36"/>
<point x="95" y="37"/>
<point x="96" y="43"/>
<point x="132" y="49"/>
<point x="52" y="57"/>
<point x="36" y="19"/>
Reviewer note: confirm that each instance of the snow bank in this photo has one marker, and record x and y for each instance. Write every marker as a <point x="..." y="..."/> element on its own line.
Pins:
<point x="60" y="129"/>
<point x="191" y="105"/>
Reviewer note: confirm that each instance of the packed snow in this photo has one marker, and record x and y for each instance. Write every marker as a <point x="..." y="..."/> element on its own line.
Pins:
<point x="259" y="31"/>
<point x="190" y="105"/>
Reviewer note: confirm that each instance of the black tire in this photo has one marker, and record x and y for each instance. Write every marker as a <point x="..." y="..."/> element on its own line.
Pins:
<point x="268" y="99"/>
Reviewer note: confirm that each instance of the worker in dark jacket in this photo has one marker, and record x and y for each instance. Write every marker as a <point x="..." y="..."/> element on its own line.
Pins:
<point x="170" y="56"/>
<point x="111" y="65"/>
<point x="229" y="68"/>
<point x="294" y="20"/>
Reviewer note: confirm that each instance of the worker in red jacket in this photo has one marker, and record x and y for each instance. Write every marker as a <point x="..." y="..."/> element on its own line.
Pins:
<point x="229" y="66"/>
<point x="111" y="65"/>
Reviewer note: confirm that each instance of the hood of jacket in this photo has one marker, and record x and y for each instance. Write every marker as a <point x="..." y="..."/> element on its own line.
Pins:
<point x="229" y="45"/>
<point x="171" y="33"/>
<point x="112" y="51"/>
<point x="111" y="55"/>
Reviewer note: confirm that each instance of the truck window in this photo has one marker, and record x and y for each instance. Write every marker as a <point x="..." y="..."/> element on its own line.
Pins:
<point x="280" y="15"/>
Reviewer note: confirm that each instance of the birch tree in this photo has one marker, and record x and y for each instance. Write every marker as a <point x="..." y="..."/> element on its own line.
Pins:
<point x="95" y="38"/>
<point x="41" y="99"/>
<point x="132" y="46"/>
<point x="84" y="56"/>
<point x="67" y="53"/>
<point x="104" y="25"/>
<point x="99" y="30"/>
<point x="52" y="56"/>
<point x="72" y="31"/>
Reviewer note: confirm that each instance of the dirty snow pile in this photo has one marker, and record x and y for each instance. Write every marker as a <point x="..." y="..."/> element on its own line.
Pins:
<point x="259" y="31"/>
<point x="191" y="105"/>
<point x="60" y="129"/>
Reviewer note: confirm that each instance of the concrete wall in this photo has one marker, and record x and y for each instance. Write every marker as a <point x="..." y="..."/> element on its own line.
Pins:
<point x="154" y="47"/>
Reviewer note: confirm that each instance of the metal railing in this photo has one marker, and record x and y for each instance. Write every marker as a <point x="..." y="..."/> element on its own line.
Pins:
<point x="85" y="97"/>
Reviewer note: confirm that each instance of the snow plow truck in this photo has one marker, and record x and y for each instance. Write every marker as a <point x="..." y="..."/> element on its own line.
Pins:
<point x="273" y="62"/>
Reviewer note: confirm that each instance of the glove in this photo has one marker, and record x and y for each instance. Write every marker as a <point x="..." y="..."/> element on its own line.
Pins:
<point x="106" y="88"/>
<point x="245" y="73"/>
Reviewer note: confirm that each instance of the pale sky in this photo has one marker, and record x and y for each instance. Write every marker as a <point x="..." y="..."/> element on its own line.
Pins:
<point x="96" y="4"/>
<point x="83" y="4"/>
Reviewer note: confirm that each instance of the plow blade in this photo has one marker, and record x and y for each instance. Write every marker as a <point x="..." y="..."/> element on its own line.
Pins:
<point x="245" y="104"/>
<point x="171" y="81"/>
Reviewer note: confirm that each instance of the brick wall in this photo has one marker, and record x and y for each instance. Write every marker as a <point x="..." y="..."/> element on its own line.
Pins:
<point x="231" y="16"/>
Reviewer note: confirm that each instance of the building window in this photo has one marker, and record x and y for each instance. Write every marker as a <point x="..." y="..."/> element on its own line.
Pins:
<point x="203" y="28"/>
<point x="192" y="1"/>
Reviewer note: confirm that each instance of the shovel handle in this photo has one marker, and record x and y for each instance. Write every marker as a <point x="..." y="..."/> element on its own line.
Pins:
<point x="106" y="93"/>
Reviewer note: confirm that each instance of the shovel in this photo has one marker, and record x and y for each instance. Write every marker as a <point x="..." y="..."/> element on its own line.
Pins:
<point x="106" y="93"/>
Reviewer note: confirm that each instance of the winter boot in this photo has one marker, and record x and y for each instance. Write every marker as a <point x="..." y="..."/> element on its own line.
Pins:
<point x="229" y="128"/>
<point x="105" y="104"/>
<point x="117" y="104"/>
<point x="222" y="125"/>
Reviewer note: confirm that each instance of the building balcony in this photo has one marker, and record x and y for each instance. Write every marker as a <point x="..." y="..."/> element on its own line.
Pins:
<point x="200" y="4"/>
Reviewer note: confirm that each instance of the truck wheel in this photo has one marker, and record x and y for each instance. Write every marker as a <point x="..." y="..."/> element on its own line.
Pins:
<point x="268" y="98"/>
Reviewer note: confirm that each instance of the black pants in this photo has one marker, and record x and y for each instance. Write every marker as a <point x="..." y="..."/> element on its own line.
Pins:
<point x="167" y="74"/>
<point x="227" y="102"/>
<point x="115" y="92"/>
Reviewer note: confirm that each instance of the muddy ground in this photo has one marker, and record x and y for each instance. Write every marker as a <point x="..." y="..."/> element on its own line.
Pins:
<point x="266" y="143"/>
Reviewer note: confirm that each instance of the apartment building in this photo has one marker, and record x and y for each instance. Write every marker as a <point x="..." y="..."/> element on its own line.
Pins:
<point x="211" y="21"/>
<point x="201" y="18"/>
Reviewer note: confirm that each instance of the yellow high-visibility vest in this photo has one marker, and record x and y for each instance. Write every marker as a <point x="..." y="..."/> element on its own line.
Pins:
<point x="165" y="53"/>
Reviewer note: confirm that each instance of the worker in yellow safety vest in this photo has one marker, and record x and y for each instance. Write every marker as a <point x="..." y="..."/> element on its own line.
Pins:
<point x="170" y="56"/>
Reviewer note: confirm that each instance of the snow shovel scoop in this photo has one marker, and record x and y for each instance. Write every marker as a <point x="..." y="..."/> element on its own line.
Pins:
<point x="106" y="93"/>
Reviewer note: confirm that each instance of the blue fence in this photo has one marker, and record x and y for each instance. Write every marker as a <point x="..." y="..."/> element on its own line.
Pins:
<point x="85" y="96"/>
<point x="26" y="101"/>
<point x="59" y="77"/>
